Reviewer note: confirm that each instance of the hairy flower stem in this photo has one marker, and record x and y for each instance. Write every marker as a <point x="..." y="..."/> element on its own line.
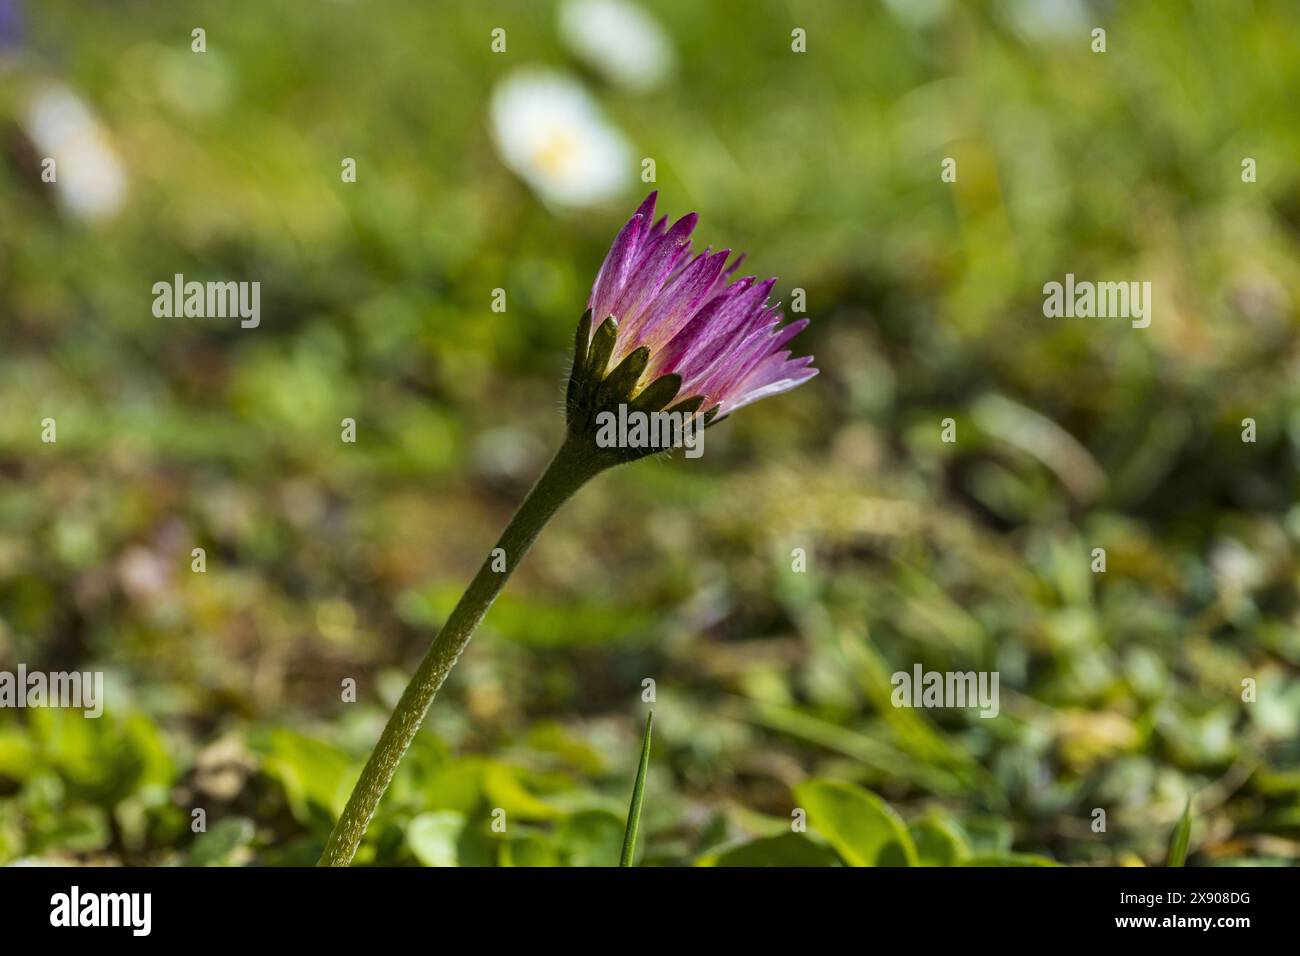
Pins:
<point x="573" y="465"/>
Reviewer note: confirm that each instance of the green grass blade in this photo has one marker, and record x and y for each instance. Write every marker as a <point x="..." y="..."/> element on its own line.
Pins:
<point x="638" y="792"/>
<point x="1181" y="836"/>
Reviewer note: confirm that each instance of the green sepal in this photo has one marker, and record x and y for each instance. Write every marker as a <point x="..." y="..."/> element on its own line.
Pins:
<point x="650" y="403"/>
<point x="688" y="406"/>
<point x="656" y="396"/>
<point x="580" y="340"/>
<point x="594" y="388"/>
<point x="618" y="384"/>
<point x="589" y="372"/>
<point x="602" y="348"/>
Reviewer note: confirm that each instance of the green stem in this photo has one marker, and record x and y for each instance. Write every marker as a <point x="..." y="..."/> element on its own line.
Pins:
<point x="638" y="793"/>
<point x="573" y="465"/>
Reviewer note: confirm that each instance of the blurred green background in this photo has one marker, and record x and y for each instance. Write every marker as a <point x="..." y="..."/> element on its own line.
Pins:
<point x="327" y="561"/>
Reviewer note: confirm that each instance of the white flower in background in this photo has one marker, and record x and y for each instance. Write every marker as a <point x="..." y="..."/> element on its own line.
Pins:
<point x="618" y="39"/>
<point x="550" y="131"/>
<point x="89" y="178"/>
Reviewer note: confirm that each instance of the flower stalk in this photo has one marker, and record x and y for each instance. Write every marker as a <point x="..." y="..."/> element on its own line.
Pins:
<point x="573" y="465"/>
<point x="659" y="324"/>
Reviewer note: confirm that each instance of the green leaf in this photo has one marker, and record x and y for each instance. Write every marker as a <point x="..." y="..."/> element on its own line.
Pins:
<point x="590" y="837"/>
<point x="315" y="775"/>
<point x="17" y="754"/>
<point x="786" y="849"/>
<point x="1181" y="837"/>
<point x="638" y="793"/>
<point x="938" y="843"/>
<point x="457" y="785"/>
<point x="80" y="828"/>
<point x="1008" y="859"/>
<point x="987" y="836"/>
<point x="862" y="828"/>
<point x="218" y="845"/>
<point x="432" y="837"/>
<point x="550" y="737"/>
<point x="504" y="789"/>
<point x="529" y="849"/>
<point x="881" y="757"/>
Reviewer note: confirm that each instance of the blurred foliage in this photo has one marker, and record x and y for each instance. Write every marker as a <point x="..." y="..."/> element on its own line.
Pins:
<point x="328" y="561"/>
